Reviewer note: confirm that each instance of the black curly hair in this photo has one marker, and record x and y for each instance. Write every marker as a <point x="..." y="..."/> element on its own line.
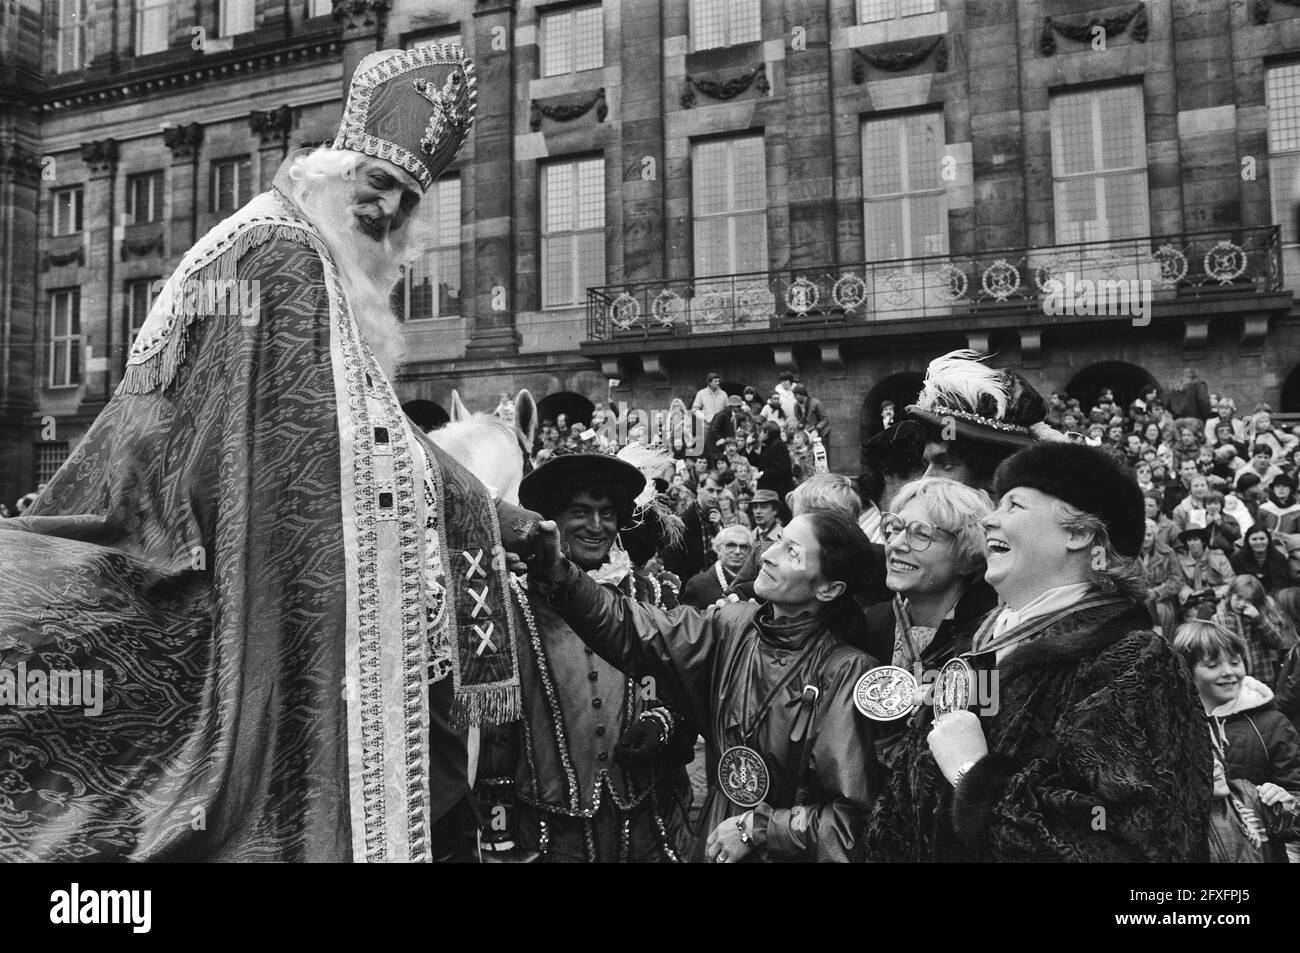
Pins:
<point x="982" y="458"/>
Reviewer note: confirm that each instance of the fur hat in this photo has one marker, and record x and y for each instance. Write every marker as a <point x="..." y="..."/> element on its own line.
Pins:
<point x="982" y="403"/>
<point x="1084" y="477"/>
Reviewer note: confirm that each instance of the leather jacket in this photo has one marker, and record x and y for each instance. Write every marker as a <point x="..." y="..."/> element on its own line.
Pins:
<point x="716" y="667"/>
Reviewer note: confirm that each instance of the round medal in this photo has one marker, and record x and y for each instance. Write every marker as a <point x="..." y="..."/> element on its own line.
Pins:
<point x="952" y="689"/>
<point x="885" y="693"/>
<point x="742" y="776"/>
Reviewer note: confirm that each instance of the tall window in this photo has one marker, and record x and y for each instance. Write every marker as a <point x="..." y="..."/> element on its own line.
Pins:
<point x="231" y="181"/>
<point x="729" y="202"/>
<point x="573" y="40"/>
<point x="144" y="198"/>
<point x="320" y="8"/>
<point x="72" y="35"/>
<point x="237" y="17"/>
<point x="573" y="230"/>
<point x="724" y="23"/>
<point x="152" y="25"/>
<point x="874" y="11"/>
<point x="140" y="295"/>
<point x="1099" y="165"/>
<point x="905" y="209"/>
<point x="50" y="455"/>
<point x="1282" y="93"/>
<point x="433" y="280"/>
<point x="65" y="207"/>
<point x="65" y="338"/>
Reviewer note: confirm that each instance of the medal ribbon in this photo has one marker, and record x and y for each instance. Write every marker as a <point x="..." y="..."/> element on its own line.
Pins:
<point x="1027" y="630"/>
<point x="747" y="733"/>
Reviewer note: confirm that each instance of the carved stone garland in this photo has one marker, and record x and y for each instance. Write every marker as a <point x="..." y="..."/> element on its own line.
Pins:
<point x="728" y="89"/>
<point x="1264" y="7"/>
<point x="567" y="112"/>
<point x="897" y="58"/>
<point x="1134" y="21"/>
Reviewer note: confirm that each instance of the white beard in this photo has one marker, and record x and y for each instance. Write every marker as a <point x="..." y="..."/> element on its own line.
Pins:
<point x="368" y="269"/>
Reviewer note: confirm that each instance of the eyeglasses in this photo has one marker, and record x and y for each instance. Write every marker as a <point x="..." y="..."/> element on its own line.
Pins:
<point x="920" y="534"/>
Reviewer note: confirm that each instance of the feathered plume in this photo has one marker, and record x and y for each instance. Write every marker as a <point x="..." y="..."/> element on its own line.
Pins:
<point x="960" y="380"/>
<point x="652" y="461"/>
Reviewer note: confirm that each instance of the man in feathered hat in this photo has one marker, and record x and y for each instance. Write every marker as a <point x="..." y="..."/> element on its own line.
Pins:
<point x="597" y="773"/>
<point x="976" y="416"/>
<point x="280" y="575"/>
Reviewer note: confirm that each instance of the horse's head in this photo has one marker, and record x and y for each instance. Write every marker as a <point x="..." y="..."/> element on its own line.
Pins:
<point x="494" y="450"/>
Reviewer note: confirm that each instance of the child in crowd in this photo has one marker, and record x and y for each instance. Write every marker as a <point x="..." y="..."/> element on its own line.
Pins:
<point x="1254" y="741"/>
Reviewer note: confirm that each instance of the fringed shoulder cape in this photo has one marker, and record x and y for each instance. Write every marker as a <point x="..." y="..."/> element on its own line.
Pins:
<point x="265" y="566"/>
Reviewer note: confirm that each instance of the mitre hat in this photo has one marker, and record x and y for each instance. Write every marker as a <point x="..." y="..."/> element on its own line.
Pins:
<point x="413" y="108"/>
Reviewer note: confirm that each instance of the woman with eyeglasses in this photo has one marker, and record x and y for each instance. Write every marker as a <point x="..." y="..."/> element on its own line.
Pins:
<point x="934" y="558"/>
<point x="1066" y="730"/>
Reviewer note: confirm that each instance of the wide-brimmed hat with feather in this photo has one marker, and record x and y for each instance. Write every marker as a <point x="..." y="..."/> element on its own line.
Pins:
<point x="634" y="468"/>
<point x="982" y="403"/>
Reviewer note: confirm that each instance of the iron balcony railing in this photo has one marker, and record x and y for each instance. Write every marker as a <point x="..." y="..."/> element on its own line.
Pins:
<point x="1241" y="260"/>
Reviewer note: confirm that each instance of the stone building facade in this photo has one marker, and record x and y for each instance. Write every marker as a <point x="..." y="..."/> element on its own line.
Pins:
<point x="864" y="183"/>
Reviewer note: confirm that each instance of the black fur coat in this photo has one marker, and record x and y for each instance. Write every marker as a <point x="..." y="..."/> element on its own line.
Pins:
<point x="1098" y="751"/>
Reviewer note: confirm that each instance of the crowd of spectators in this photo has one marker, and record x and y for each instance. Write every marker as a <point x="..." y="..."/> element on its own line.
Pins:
<point x="738" y="455"/>
<point x="1223" y="522"/>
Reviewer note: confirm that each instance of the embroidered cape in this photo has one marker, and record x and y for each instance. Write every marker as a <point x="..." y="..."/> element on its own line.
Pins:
<point x="264" y="563"/>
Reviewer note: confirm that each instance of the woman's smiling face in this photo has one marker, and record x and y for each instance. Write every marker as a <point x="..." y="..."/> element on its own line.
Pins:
<point x="1025" y="543"/>
<point x="910" y="570"/>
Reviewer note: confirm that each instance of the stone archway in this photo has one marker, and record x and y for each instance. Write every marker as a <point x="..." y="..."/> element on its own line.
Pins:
<point x="1126" y="380"/>
<point x="901" y="388"/>
<point x="1289" y="401"/>
<point x="427" y="415"/>
<point x="575" y="407"/>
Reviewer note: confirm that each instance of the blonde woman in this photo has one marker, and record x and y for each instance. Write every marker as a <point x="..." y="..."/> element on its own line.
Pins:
<point x="1066" y="707"/>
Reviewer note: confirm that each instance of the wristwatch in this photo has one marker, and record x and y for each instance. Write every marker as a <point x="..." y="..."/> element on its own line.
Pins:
<point x="745" y="838"/>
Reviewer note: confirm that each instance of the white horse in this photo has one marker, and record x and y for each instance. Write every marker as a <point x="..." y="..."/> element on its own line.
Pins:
<point x="492" y="449"/>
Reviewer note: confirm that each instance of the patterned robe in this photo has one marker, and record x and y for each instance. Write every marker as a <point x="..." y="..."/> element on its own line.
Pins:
<point x="263" y="563"/>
